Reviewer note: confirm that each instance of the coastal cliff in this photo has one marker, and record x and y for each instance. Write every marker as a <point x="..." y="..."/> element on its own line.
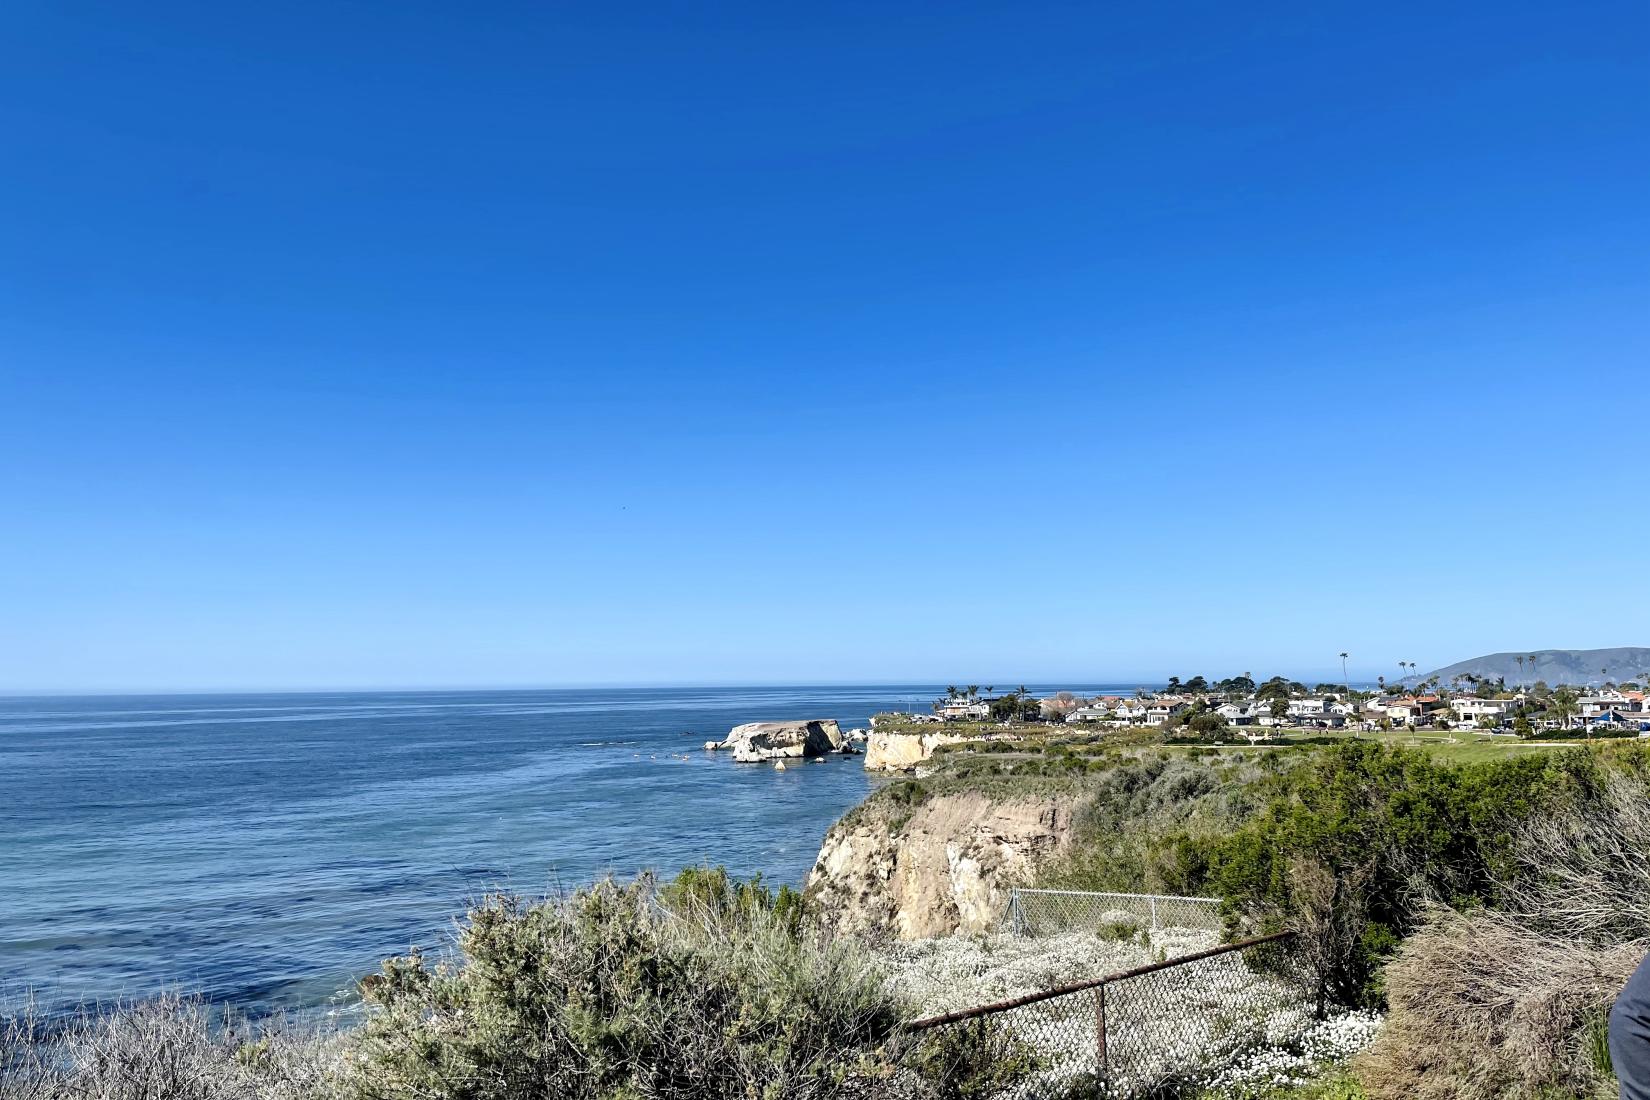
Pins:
<point x="900" y="748"/>
<point x="944" y="865"/>
<point x="898" y="751"/>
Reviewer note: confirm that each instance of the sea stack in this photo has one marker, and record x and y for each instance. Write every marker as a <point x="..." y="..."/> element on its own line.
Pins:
<point x="755" y="742"/>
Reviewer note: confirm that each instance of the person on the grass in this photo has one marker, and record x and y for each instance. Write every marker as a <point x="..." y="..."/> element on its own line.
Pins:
<point x="1630" y="1035"/>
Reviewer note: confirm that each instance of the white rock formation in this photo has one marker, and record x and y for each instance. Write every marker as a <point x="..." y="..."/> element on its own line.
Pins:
<point x="754" y="742"/>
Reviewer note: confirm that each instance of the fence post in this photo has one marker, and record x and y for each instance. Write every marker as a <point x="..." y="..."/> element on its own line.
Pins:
<point x="1102" y="1056"/>
<point x="1154" y="914"/>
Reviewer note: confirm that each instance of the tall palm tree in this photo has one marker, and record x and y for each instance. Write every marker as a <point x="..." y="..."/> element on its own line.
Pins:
<point x="1520" y="661"/>
<point x="973" y="691"/>
<point x="1346" y="681"/>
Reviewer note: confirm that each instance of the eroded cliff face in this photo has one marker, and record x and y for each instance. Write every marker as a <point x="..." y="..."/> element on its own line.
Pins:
<point x="886" y="751"/>
<point x="948" y="867"/>
<point x="898" y="752"/>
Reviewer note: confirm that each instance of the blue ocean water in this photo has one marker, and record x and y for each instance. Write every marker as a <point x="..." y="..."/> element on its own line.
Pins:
<point x="267" y="849"/>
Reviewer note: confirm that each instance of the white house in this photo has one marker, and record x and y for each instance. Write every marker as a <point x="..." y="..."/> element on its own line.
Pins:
<point x="1131" y="710"/>
<point x="1474" y="710"/>
<point x="1161" y="710"/>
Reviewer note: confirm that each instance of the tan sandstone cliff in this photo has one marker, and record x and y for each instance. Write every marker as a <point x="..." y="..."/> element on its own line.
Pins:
<point x="948" y="867"/>
<point x="889" y="751"/>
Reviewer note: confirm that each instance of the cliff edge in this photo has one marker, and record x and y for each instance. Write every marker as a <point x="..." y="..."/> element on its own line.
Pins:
<point x="913" y="866"/>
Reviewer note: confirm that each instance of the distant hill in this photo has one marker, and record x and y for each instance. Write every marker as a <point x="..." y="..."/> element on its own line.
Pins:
<point x="1556" y="666"/>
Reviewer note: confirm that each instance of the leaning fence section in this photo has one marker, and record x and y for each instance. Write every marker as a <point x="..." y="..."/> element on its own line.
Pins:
<point x="1166" y="1029"/>
<point x="1054" y="912"/>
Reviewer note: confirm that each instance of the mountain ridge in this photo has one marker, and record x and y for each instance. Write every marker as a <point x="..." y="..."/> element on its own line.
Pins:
<point x="1555" y="666"/>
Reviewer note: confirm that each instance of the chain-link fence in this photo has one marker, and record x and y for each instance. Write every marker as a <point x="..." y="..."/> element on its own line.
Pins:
<point x="1052" y="912"/>
<point x="1167" y="1029"/>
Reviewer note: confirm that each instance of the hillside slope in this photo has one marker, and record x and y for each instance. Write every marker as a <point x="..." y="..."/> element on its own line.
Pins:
<point x="1556" y="666"/>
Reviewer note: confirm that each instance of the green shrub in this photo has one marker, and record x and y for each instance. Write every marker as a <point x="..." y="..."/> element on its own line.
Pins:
<point x="604" y="996"/>
<point x="709" y="891"/>
<point x="1396" y="830"/>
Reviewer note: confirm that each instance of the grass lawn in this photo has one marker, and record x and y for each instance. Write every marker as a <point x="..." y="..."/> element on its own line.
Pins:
<point x="1460" y="747"/>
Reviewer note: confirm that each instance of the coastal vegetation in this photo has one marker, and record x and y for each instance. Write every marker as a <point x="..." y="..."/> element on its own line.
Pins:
<point x="1486" y="903"/>
<point x="1490" y="903"/>
<point x="704" y="988"/>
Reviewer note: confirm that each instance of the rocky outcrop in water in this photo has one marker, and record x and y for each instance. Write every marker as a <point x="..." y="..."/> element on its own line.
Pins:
<point x="755" y="742"/>
<point x="943" y="867"/>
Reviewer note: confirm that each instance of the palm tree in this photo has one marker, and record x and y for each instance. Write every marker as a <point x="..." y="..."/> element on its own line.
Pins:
<point x="1346" y="681"/>
<point x="1563" y="707"/>
<point x="1520" y="661"/>
<point x="951" y="692"/>
<point x="973" y="690"/>
<point x="1531" y="659"/>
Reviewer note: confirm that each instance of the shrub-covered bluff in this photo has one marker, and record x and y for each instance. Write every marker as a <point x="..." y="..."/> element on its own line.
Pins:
<point x="1492" y="908"/>
<point x="1489" y="909"/>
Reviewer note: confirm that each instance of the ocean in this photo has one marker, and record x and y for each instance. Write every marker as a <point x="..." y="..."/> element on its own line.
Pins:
<point x="266" y="850"/>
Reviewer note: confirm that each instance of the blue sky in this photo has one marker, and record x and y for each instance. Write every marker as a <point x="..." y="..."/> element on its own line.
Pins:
<point x="436" y="344"/>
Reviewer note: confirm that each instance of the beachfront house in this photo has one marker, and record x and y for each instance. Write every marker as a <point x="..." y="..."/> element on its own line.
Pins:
<point x="964" y="710"/>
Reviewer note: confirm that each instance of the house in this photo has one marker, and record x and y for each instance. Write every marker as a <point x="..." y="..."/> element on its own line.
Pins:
<point x="1411" y="709"/>
<point x="964" y="710"/>
<point x="1603" y="702"/>
<point x="1312" y="707"/>
<point x="1239" y="714"/>
<point x="1130" y="710"/>
<point x="1472" y="711"/>
<point x="1161" y="710"/>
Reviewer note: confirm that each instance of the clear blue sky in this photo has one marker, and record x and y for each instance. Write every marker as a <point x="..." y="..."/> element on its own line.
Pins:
<point x="445" y="344"/>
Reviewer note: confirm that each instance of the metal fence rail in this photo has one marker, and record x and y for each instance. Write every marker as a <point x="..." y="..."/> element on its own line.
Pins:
<point x="1051" y="912"/>
<point x="1162" y="1030"/>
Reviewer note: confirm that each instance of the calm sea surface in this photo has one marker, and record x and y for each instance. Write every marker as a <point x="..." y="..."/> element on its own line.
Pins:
<point x="265" y="849"/>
